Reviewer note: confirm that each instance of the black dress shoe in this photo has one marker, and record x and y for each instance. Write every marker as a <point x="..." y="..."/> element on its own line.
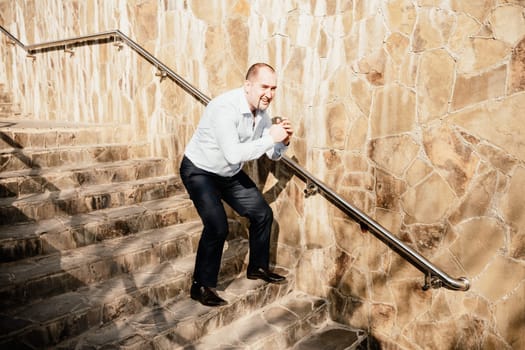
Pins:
<point x="265" y="275"/>
<point x="206" y="296"/>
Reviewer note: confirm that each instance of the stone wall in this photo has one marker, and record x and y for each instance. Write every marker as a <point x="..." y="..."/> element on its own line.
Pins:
<point x="410" y="109"/>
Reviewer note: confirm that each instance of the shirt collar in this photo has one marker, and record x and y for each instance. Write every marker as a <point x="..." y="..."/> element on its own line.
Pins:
<point x="244" y="106"/>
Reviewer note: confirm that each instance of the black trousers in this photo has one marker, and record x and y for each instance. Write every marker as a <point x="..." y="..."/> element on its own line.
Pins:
<point x="207" y="191"/>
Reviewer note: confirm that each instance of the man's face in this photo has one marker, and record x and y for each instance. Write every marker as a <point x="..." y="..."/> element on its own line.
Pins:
<point x="260" y="89"/>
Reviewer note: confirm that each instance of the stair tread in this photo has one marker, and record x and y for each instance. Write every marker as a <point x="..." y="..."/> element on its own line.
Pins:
<point x="114" y="292"/>
<point x="265" y="323"/>
<point x="59" y="223"/>
<point x="74" y="168"/>
<point x="39" y="125"/>
<point x="81" y="147"/>
<point x="335" y="336"/>
<point x="180" y="323"/>
<point x="87" y="190"/>
<point x="21" y="182"/>
<point x="20" y="272"/>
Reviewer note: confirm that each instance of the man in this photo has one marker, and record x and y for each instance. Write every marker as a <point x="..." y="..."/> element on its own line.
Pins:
<point x="234" y="128"/>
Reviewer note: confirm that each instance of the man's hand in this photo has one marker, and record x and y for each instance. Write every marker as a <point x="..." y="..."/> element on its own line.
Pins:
<point x="287" y="126"/>
<point x="278" y="133"/>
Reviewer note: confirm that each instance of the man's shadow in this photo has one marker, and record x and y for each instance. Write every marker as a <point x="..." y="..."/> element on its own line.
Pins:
<point x="281" y="175"/>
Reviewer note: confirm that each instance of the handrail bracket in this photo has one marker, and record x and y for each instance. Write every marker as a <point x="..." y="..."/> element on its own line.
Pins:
<point x="162" y="74"/>
<point x="432" y="281"/>
<point x="311" y="189"/>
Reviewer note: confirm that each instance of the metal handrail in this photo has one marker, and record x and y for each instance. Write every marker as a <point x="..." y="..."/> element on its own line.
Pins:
<point x="434" y="277"/>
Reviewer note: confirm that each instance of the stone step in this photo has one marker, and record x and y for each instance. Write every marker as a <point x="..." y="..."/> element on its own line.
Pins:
<point x="84" y="200"/>
<point x="333" y="335"/>
<point x="21" y="241"/>
<point x="37" y="158"/>
<point x="184" y="321"/>
<point x="278" y="325"/>
<point x="30" y="181"/>
<point x="20" y="133"/>
<point x="49" y="321"/>
<point x="45" y="276"/>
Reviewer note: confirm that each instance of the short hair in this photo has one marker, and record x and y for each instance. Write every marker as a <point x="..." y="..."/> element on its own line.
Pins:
<point x="254" y="69"/>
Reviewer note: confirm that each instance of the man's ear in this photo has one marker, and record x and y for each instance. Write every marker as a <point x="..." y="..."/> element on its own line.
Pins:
<point x="247" y="85"/>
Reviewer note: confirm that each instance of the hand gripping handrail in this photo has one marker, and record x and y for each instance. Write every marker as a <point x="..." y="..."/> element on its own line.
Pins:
<point x="434" y="277"/>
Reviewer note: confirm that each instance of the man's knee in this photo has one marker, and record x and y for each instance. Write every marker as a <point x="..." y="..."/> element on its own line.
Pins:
<point x="263" y="214"/>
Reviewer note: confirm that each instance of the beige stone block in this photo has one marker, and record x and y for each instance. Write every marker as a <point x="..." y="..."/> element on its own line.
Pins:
<point x="426" y="239"/>
<point x="289" y="231"/>
<point x="517" y="247"/>
<point x="388" y="190"/>
<point x="500" y="278"/>
<point x="417" y="171"/>
<point x="365" y="9"/>
<point x="454" y="160"/>
<point x="394" y="154"/>
<point x="336" y="126"/>
<point x="410" y="300"/>
<point x="375" y="66"/>
<point x="354" y="283"/>
<point x="382" y="318"/>
<point x="440" y="309"/>
<point x="478" y="200"/>
<point x="493" y="341"/>
<point x="482" y="53"/>
<point x="401" y="15"/>
<point x="478" y="9"/>
<point x="314" y="270"/>
<point x="435" y="81"/>
<point x="408" y="70"/>
<point x="463" y="333"/>
<point x="497" y="157"/>
<point x="340" y="82"/>
<point x="366" y="38"/>
<point x="318" y="232"/>
<point x="393" y="111"/>
<point x="348" y="235"/>
<point x="469" y="90"/>
<point x="510" y="317"/>
<point x="479" y="121"/>
<point x="210" y="12"/>
<point x="429" y="201"/>
<point x="433" y="28"/>
<point x="238" y="33"/>
<point x="362" y="95"/>
<point x="517" y="68"/>
<point x="466" y="27"/>
<point x="397" y="46"/>
<point x="380" y="289"/>
<point x="513" y="203"/>
<point x="145" y="15"/>
<point x="378" y="256"/>
<point x="478" y="307"/>
<point x="357" y="135"/>
<point x="508" y="23"/>
<point x="359" y="180"/>
<point x="478" y="241"/>
<point x="391" y="220"/>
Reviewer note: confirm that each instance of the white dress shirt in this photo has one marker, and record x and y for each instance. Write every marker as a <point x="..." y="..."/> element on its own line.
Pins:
<point x="228" y="135"/>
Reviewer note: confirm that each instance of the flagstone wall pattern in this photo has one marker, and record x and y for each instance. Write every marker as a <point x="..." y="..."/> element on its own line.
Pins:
<point x="412" y="110"/>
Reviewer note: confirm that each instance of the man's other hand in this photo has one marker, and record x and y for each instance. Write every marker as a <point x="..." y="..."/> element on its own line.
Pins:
<point x="278" y="133"/>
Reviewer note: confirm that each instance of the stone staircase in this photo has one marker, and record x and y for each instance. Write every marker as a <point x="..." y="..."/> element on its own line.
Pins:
<point x="97" y="244"/>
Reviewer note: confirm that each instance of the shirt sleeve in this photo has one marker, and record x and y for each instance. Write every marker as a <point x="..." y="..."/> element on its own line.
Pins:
<point x="225" y="123"/>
